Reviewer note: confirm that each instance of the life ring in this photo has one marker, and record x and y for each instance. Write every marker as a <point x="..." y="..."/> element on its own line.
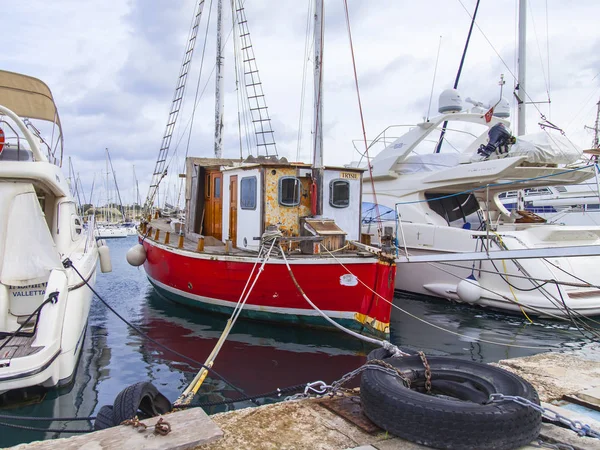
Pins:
<point x="2" y="140"/>
<point x="456" y="415"/>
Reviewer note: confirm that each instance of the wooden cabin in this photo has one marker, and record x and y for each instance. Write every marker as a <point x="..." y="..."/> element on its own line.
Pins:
<point x="231" y="200"/>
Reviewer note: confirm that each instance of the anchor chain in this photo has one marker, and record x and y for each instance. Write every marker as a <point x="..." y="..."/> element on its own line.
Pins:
<point x="162" y="427"/>
<point x="427" y="372"/>
<point x="322" y="388"/>
<point x="578" y="427"/>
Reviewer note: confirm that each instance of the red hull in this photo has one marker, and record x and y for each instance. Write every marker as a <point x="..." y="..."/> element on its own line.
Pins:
<point x="216" y="282"/>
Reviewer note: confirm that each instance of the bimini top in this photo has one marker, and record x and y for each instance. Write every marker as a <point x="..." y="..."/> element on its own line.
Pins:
<point x="27" y="97"/>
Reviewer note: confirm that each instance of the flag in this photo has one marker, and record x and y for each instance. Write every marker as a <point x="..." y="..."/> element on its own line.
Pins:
<point x="488" y="115"/>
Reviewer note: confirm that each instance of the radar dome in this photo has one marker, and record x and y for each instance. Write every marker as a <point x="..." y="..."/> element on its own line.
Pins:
<point x="502" y="109"/>
<point x="450" y="101"/>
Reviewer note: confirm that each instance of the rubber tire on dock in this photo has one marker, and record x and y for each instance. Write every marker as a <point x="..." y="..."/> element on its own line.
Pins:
<point x="104" y="418"/>
<point x="445" y="422"/>
<point x="140" y="397"/>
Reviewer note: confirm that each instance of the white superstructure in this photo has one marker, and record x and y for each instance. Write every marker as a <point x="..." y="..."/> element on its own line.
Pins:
<point x="44" y="303"/>
<point x="450" y="203"/>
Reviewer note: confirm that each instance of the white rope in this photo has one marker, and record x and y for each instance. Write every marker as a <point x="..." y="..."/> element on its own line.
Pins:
<point x="240" y="304"/>
<point x="380" y="342"/>
<point x="429" y="323"/>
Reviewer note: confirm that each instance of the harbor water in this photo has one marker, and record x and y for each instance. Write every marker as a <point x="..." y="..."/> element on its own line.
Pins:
<point x="257" y="357"/>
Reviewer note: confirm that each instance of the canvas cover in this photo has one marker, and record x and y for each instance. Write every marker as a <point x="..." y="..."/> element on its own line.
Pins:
<point x="29" y="251"/>
<point x="27" y="97"/>
<point x="428" y="162"/>
<point x="546" y="148"/>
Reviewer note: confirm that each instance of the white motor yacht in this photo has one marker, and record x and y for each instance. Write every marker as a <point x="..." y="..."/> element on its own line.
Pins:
<point x="47" y="258"/>
<point x="450" y="202"/>
<point x="574" y="205"/>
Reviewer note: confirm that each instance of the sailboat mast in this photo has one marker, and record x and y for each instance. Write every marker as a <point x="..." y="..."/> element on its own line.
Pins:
<point x="318" y="85"/>
<point x="219" y="85"/>
<point x="318" y="106"/>
<point x="522" y="94"/>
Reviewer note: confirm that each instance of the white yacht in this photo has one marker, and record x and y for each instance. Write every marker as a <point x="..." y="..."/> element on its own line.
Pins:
<point x="44" y="302"/>
<point x="450" y="202"/>
<point x="573" y="205"/>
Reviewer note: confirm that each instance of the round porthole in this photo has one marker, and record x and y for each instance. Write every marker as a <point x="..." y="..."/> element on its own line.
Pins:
<point x="245" y="242"/>
<point x="190" y="286"/>
<point x="273" y="172"/>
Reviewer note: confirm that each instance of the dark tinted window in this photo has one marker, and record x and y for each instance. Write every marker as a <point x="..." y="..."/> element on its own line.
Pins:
<point x="452" y="207"/>
<point x="339" y="193"/>
<point x="289" y="191"/>
<point x="248" y="193"/>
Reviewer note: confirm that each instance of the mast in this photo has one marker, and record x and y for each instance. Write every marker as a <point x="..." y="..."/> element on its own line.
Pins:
<point x="456" y="80"/>
<point x="318" y="107"/>
<point x="522" y="94"/>
<point x="219" y="85"/>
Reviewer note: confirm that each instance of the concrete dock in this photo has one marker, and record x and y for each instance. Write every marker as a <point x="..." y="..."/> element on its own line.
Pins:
<point x="569" y="383"/>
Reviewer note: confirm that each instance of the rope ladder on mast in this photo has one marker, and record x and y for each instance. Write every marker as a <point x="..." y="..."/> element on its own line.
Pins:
<point x="160" y="171"/>
<point x="264" y="135"/>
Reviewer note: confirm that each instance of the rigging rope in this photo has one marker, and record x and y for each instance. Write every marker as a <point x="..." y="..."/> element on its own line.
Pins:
<point x="379" y="342"/>
<point x="67" y="263"/>
<point x="429" y="323"/>
<point x="362" y="120"/>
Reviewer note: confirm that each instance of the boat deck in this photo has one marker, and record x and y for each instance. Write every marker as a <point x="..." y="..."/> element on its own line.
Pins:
<point x="217" y="247"/>
<point x="18" y="347"/>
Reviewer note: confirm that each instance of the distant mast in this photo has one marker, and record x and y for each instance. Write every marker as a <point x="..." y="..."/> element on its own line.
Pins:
<point x="318" y="107"/>
<point x="219" y="85"/>
<point x="522" y="93"/>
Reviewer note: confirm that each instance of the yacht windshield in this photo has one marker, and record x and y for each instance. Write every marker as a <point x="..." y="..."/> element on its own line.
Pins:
<point x="370" y="213"/>
<point x="453" y="207"/>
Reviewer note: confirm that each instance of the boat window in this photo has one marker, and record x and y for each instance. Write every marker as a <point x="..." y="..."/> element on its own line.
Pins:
<point x="537" y="191"/>
<point x="452" y="207"/>
<point x="560" y="188"/>
<point x="372" y="213"/>
<point x="339" y="193"/>
<point x="248" y="193"/>
<point x="289" y="191"/>
<point x="217" y="189"/>
<point x="77" y="226"/>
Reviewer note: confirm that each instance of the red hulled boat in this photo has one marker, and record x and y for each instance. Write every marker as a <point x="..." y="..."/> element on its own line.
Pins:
<point x="265" y="232"/>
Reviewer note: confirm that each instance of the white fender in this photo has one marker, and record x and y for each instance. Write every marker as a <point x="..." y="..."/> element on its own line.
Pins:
<point x="136" y="255"/>
<point x="104" y="253"/>
<point x="469" y="290"/>
<point x="50" y="319"/>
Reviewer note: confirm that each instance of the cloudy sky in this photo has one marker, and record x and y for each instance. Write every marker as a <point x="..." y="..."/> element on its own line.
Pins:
<point x="113" y="65"/>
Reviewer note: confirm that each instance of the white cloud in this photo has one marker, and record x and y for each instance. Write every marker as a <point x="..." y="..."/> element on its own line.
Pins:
<point x="113" y="65"/>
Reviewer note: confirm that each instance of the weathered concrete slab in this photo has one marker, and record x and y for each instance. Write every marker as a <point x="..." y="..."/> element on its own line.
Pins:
<point x="567" y="436"/>
<point x="589" y="397"/>
<point x="292" y="425"/>
<point x="555" y="374"/>
<point x="189" y="429"/>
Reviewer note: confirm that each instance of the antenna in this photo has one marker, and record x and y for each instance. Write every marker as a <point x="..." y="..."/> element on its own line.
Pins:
<point x="434" y="73"/>
<point x="596" y="141"/>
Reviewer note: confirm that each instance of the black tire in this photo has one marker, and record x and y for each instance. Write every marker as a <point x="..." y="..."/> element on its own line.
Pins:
<point x="104" y="418"/>
<point x="457" y="415"/>
<point x="141" y="399"/>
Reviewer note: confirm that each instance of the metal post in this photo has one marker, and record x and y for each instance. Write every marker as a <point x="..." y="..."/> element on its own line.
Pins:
<point x="522" y="94"/>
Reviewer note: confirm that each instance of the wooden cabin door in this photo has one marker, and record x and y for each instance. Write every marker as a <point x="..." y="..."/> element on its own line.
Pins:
<point x="213" y="202"/>
<point x="233" y="207"/>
